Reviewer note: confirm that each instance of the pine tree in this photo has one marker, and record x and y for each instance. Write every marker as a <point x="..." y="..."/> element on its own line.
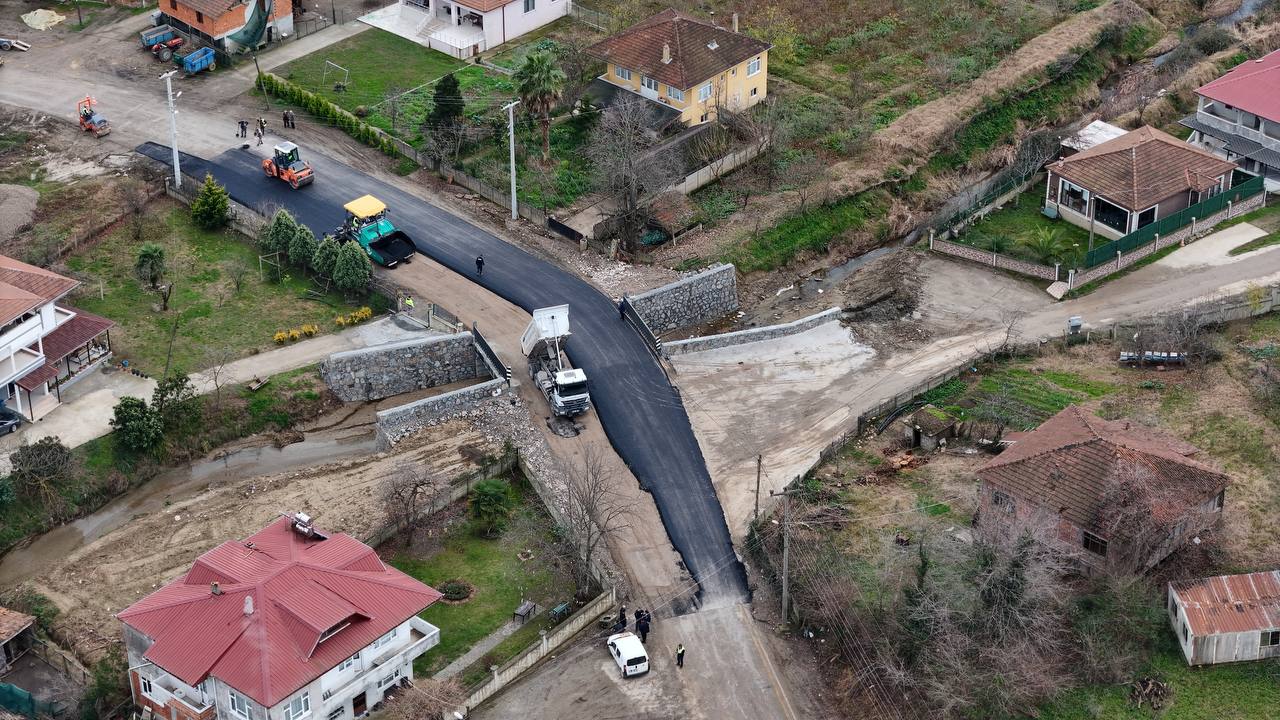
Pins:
<point x="212" y="207"/>
<point x="302" y="247"/>
<point x="325" y="256"/>
<point x="353" y="271"/>
<point x="277" y="235"/>
<point x="446" y="104"/>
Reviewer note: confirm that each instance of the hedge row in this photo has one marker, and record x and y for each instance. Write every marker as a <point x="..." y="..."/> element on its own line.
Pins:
<point x="323" y="109"/>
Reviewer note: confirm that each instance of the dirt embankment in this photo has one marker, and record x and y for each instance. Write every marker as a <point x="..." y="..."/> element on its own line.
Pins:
<point x="94" y="582"/>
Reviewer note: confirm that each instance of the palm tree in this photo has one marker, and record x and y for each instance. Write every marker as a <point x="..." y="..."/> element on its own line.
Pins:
<point x="1046" y="244"/>
<point x="539" y="82"/>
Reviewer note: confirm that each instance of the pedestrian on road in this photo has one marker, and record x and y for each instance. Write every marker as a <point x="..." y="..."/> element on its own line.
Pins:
<point x="284" y="118"/>
<point x="479" y="272"/>
<point x="244" y="128"/>
<point x="290" y="118"/>
<point x="262" y="125"/>
<point x="643" y="628"/>
<point x="622" y="313"/>
<point x="680" y="655"/>
<point x="639" y="615"/>
<point x="258" y="134"/>
<point x="408" y="302"/>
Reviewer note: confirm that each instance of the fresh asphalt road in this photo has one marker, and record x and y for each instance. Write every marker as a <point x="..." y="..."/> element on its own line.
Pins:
<point x="639" y="409"/>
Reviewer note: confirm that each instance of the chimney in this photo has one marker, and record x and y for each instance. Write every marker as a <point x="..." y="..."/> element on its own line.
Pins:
<point x="248" y="604"/>
<point x="735" y="22"/>
<point x="214" y="589"/>
<point x="666" y="54"/>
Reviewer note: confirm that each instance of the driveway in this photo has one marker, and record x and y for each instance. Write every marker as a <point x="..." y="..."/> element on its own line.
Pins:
<point x="640" y="411"/>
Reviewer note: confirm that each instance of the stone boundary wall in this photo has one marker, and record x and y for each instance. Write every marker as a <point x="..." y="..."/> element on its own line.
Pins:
<point x="394" y="424"/>
<point x="750" y="335"/>
<point x="381" y="371"/>
<point x="994" y="259"/>
<point x="710" y="294"/>
<point x="1183" y="234"/>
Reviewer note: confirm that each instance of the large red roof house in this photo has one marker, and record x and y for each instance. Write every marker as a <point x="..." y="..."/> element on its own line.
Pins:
<point x="1238" y="117"/>
<point x="289" y="623"/>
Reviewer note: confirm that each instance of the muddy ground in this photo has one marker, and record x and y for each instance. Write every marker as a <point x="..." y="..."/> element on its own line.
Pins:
<point x="94" y="582"/>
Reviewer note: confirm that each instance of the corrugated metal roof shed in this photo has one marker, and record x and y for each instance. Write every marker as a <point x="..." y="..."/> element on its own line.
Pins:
<point x="1231" y="603"/>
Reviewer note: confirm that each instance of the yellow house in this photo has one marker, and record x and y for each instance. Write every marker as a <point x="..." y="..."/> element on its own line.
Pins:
<point x="687" y="64"/>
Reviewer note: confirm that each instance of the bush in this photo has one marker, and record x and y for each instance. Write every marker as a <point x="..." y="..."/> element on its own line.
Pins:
<point x="149" y="267"/>
<point x="7" y="493"/>
<point x="140" y="428"/>
<point x="281" y="337"/>
<point x="177" y="405"/>
<point x="310" y="330"/>
<point x="302" y="247"/>
<point x="455" y="590"/>
<point x="1213" y="39"/>
<point x="109" y="688"/>
<point x="491" y="504"/>
<point x="45" y="464"/>
<point x="212" y="207"/>
<point x="325" y="256"/>
<point x="353" y="271"/>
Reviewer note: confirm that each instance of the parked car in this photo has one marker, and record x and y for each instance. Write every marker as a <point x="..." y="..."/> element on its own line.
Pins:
<point x="9" y="420"/>
<point x="629" y="653"/>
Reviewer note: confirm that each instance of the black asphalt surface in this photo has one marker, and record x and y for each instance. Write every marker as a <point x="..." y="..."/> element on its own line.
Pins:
<point x="641" y="412"/>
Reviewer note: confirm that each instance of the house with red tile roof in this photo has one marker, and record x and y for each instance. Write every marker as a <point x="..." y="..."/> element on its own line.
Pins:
<point x="1229" y="618"/>
<point x="1126" y="495"/>
<point x="687" y="67"/>
<point x="232" y="25"/>
<point x="289" y="623"/>
<point x="1131" y="181"/>
<point x="1238" y="118"/>
<point x="44" y="344"/>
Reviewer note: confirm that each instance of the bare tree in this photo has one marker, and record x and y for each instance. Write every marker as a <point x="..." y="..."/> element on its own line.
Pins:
<point x="576" y="65"/>
<point x="803" y="174"/>
<point x="1144" y="517"/>
<point x="391" y="102"/>
<point x="1010" y="319"/>
<point x="426" y="698"/>
<point x="594" y="513"/>
<point x="1036" y="149"/>
<point x="136" y="195"/>
<point x="237" y="270"/>
<point x="627" y="173"/>
<point x="408" y="495"/>
<point x="216" y="359"/>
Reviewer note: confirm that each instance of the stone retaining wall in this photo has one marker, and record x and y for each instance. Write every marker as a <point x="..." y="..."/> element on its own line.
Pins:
<point x="709" y="295"/>
<point x="741" y="337"/>
<point x="395" y="423"/>
<point x="382" y="371"/>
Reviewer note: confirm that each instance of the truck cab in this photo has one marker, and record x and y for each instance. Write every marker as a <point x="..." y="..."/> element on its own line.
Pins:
<point x="569" y="397"/>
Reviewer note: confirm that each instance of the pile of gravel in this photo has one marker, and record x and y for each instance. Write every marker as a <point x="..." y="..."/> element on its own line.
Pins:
<point x="17" y="210"/>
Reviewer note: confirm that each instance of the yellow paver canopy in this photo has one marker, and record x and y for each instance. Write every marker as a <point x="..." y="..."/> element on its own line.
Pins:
<point x="367" y="206"/>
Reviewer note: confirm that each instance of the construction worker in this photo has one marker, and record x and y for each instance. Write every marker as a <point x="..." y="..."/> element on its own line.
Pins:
<point x="284" y="118"/>
<point x="479" y="265"/>
<point x="244" y="128"/>
<point x="408" y="302"/>
<point x="680" y="655"/>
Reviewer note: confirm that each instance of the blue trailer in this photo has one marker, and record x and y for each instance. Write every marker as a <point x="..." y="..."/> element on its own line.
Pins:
<point x="196" y="61"/>
<point x="157" y="36"/>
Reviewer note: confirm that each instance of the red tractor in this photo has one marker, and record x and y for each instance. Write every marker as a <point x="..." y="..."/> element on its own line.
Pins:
<point x="90" y="120"/>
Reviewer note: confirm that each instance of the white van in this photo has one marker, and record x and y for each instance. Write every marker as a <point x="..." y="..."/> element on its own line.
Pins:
<point x="628" y="652"/>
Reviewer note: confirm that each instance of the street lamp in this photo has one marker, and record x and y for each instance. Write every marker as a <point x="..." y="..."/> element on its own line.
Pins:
<point x="511" y="141"/>
<point x="173" y="125"/>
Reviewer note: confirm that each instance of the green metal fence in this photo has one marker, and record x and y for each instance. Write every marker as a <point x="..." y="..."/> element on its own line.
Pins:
<point x="1164" y="226"/>
<point x="17" y="700"/>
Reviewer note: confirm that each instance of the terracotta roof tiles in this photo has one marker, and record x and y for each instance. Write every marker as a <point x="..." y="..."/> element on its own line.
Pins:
<point x="1141" y="168"/>
<point x="13" y="622"/>
<point x="1068" y="464"/>
<point x="699" y="50"/>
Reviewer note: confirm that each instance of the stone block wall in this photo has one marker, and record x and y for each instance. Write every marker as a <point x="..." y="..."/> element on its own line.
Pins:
<point x="398" y="422"/>
<point x="381" y="371"/>
<point x="709" y="295"/>
<point x="741" y="337"/>
<point x="986" y="257"/>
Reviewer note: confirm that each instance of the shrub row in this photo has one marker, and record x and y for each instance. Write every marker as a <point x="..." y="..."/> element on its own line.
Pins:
<point x="325" y="109"/>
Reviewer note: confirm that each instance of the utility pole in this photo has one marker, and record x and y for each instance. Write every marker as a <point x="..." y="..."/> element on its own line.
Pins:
<point x="511" y="141"/>
<point x="759" y="463"/>
<point x="786" y="549"/>
<point x="266" y="96"/>
<point x="173" y="125"/>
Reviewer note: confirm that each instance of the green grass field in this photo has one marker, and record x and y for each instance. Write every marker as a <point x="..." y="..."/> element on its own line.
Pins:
<point x="1238" y="691"/>
<point x="210" y="313"/>
<point x="500" y="579"/>
<point x="1017" y="223"/>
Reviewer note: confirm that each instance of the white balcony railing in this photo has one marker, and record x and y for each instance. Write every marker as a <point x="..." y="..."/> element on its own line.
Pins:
<point x="162" y="695"/>
<point x="422" y="637"/>
<point x="21" y="362"/>
<point x="1233" y="128"/>
<point x="23" y="335"/>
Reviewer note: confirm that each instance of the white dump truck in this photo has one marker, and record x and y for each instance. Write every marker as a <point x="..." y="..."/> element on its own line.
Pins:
<point x="543" y="343"/>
